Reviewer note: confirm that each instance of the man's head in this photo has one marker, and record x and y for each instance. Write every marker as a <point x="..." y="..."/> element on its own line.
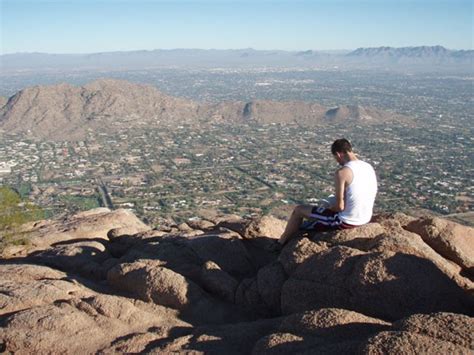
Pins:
<point x="340" y="149"/>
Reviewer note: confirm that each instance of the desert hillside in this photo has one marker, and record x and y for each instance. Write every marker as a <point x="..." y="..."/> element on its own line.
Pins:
<point x="67" y="112"/>
<point x="102" y="281"/>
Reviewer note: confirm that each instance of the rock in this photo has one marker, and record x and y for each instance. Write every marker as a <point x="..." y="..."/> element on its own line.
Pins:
<point x="452" y="240"/>
<point x="208" y="293"/>
<point x="27" y="286"/>
<point x="357" y="238"/>
<point x="384" y="285"/>
<point x="248" y="296"/>
<point x="138" y="342"/>
<point x="400" y="342"/>
<point x="279" y="343"/>
<point x="129" y="230"/>
<point x="78" y="325"/>
<point x="229" y="254"/>
<point x="151" y="282"/>
<point x="287" y="343"/>
<point x="266" y="226"/>
<point x="297" y="251"/>
<point x="270" y="280"/>
<point x="218" y="282"/>
<point x="172" y="252"/>
<point x="82" y="258"/>
<point x="183" y="227"/>
<point x="93" y="212"/>
<point x="236" y="338"/>
<point x="201" y="224"/>
<point x="393" y="220"/>
<point x="192" y="233"/>
<point x="232" y="222"/>
<point x="402" y="241"/>
<point x="333" y="323"/>
<point x="454" y="328"/>
<point x="93" y="224"/>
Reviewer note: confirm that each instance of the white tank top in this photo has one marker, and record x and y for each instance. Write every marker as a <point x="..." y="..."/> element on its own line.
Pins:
<point x="359" y="196"/>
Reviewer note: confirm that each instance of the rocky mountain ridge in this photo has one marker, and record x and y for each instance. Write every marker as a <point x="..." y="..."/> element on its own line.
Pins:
<point x="67" y="112"/>
<point x="102" y="281"/>
<point x="421" y="52"/>
<point x="428" y="58"/>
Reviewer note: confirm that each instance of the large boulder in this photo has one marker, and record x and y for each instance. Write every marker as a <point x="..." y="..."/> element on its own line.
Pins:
<point x="78" y="325"/>
<point x="218" y="282"/>
<point x="92" y="224"/>
<point x="270" y="280"/>
<point x="266" y="226"/>
<point x="326" y="331"/>
<point x="45" y="311"/>
<point x="334" y="323"/>
<point x="174" y="253"/>
<point x="454" y="328"/>
<point x="386" y="285"/>
<point x="299" y="250"/>
<point x="452" y="240"/>
<point x="238" y="338"/>
<point x="24" y="286"/>
<point x="354" y="237"/>
<point x="401" y="342"/>
<point x="229" y="253"/>
<point x="81" y="257"/>
<point x="402" y="241"/>
<point x="149" y="281"/>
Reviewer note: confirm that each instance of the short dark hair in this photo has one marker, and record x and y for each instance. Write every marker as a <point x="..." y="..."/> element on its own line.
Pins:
<point x="341" y="146"/>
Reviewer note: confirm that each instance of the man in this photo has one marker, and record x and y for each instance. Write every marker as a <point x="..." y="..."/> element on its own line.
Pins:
<point x="356" y="187"/>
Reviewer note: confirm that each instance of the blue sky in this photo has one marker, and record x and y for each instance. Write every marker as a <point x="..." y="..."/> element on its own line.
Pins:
<point x="84" y="26"/>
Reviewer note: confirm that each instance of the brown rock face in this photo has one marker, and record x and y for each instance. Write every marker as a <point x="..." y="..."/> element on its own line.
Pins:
<point x="151" y="282"/>
<point x="451" y="240"/>
<point x="454" y="328"/>
<point x="103" y="282"/>
<point x="386" y="285"/>
<point x="93" y="224"/>
<point x="218" y="282"/>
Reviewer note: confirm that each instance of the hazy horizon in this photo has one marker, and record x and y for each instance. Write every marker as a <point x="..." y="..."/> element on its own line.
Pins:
<point x="329" y="51"/>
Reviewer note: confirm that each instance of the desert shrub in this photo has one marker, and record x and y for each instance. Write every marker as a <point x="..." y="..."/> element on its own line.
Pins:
<point x="14" y="211"/>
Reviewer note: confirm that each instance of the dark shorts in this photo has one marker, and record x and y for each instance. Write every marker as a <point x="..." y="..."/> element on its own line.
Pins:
<point x="322" y="219"/>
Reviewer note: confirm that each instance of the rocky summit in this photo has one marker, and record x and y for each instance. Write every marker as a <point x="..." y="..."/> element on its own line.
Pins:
<point x="102" y="282"/>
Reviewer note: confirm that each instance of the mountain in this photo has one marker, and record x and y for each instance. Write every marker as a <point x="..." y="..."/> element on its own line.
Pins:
<point x="428" y="58"/>
<point x="413" y="55"/>
<point x="67" y="112"/>
<point x="103" y="282"/>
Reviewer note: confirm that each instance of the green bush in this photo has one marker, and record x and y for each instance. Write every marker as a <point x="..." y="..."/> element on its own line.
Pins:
<point x="14" y="211"/>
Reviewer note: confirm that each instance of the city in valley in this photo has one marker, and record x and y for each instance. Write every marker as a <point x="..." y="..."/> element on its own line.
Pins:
<point x="188" y="171"/>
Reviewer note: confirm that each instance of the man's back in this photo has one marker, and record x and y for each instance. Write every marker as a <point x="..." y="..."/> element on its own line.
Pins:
<point x="359" y="195"/>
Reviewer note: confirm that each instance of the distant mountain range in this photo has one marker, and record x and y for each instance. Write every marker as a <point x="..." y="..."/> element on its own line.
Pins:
<point x="67" y="112"/>
<point x="414" y="58"/>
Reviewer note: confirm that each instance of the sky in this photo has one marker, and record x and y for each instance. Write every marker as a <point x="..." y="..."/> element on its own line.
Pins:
<point x="89" y="26"/>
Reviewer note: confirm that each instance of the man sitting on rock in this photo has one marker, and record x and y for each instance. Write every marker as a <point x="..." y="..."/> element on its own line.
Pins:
<point x="356" y="187"/>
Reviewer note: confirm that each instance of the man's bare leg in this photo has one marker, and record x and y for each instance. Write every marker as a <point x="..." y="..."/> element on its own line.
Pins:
<point x="293" y="226"/>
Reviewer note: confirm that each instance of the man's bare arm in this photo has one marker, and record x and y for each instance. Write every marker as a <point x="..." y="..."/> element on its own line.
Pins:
<point x="342" y="178"/>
